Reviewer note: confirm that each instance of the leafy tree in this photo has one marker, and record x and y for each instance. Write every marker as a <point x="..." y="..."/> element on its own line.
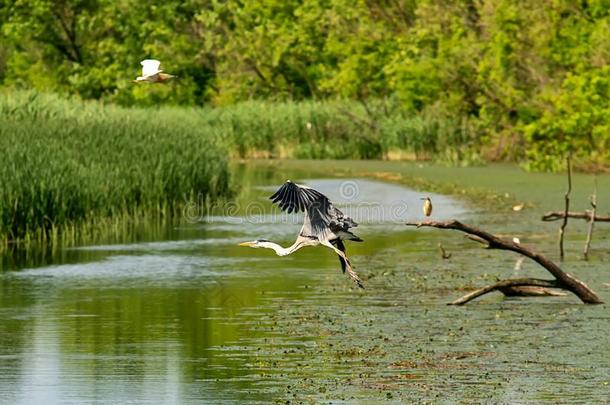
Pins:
<point x="528" y="78"/>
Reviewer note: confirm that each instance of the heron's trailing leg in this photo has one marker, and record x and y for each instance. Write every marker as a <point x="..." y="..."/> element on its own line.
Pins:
<point x="348" y="266"/>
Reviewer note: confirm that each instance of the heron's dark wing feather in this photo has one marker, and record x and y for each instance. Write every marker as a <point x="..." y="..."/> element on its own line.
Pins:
<point x="280" y="194"/>
<point x="291" y="200"/>
<point x="292" y="197"/>
<point x="321" y="217"/>
<point x="301" y="202"/>
<point x="287" y="200"/>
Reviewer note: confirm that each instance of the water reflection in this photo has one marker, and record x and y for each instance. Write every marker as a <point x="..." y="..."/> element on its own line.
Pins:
<point x="185" y="315"/>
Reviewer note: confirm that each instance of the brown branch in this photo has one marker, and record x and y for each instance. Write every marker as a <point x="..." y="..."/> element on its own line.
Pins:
<point x="591" y="220"/>
<point x="564" y="280"/>
<point x="565" y="216"/>
<point x="517" y="282"/>
<point x="556" y="215"/>
<point x="530" y="291"/>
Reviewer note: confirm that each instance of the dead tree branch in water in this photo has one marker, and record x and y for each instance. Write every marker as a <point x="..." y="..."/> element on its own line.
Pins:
<point x="591" y="219"/>
<point x="557" y="215"/>
<point x="562" y="280"/>
<point x="530" y="291"/>
<point x="505" y="285"/>
<point x="567" y="209"/>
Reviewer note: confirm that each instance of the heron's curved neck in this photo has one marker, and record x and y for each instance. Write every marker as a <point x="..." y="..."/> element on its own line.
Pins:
<point x="279" y="250"/>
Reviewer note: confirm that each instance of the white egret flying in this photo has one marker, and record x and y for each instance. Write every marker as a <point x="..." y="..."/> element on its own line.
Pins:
<point x="151" y="72"/>
<point x="323" y="225"/>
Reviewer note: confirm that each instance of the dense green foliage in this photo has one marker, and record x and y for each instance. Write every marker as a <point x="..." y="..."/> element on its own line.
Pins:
<point x="67" y="163"/>
<point x="531" y="79"/>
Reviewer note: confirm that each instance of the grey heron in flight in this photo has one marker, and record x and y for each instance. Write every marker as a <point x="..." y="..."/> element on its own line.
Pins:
<point x="323" y="225"/>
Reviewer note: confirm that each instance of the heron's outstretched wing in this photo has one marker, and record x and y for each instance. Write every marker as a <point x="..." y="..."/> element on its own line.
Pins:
<point x="150" y="67"/>
<point x="319" y="211"/>
<point x="321" y="217"/>
<point x="295" y="197"/>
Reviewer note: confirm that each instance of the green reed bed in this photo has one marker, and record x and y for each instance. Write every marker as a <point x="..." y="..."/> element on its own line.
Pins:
<point x="339" y="130"/>
<point x="64" y="163"/>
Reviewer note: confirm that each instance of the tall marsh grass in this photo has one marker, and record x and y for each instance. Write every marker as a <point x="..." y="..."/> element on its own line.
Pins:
<point x="339" y="130"/>
<point x="65" y="161"/>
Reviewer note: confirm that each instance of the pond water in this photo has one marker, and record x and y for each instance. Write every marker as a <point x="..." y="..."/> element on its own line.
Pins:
<point x="184" y="315"/>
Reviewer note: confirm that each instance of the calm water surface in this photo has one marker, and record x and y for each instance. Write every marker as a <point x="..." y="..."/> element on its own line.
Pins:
<point x="184" y="315"/>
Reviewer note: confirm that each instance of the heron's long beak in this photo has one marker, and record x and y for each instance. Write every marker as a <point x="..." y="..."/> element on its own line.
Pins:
<point x="249" y="244"/>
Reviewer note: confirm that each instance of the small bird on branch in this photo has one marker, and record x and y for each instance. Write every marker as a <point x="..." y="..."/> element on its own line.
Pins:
<point x="427" y="206"/>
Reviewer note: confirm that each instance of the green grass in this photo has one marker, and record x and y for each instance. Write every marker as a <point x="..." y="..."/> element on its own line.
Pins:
<point x="66" y="163"/>
<point x="337" y="130"/>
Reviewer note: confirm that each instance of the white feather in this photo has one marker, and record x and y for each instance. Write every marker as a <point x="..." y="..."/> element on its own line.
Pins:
<point x="150" y="67"/>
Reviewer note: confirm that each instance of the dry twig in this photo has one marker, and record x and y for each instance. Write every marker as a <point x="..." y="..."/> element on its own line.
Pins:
<point x="567" y="209"/>
<point x="591" y="220"/>
<point x="557" y="215"/>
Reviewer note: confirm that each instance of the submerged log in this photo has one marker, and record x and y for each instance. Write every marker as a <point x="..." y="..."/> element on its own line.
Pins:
<point x="563" y="280"/>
